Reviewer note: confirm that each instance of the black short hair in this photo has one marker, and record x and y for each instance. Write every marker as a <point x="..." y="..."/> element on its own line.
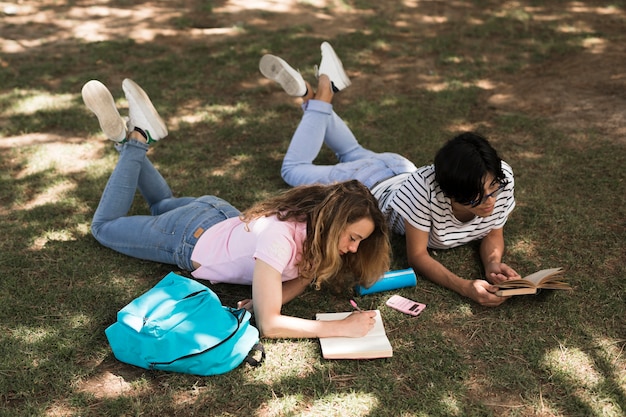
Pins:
<point x="462" y="164"/>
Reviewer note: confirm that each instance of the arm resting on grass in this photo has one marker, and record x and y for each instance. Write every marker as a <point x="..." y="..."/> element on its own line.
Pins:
<point x="267" y="293"/>
<point x="419" y="258"/>
<point x="291" y="289"/>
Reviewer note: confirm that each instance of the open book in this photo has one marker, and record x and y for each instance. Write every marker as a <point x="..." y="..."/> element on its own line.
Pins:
<point x="374" y="344"/>
<point x="550" y="279"/>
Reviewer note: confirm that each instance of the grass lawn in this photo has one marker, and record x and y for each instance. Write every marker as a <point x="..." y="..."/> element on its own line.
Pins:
<point x="544" y="80"/>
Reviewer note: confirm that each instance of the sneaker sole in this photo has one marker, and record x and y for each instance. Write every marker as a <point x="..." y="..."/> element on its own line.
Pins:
<point x="139" y="100"/>
<point x="344" y="81"/>
<point x="276" y="69"/>
<point x="99" y="100"/>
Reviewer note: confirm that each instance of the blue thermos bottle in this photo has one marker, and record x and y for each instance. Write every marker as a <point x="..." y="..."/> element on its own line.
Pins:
<point x="391" y="280"/>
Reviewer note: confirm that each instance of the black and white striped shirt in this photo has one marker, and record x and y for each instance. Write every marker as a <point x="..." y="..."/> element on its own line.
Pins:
<point x="419" y="200"/>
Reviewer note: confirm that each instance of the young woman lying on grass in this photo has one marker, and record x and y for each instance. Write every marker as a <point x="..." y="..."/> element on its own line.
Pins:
<point x="315" y="235"/>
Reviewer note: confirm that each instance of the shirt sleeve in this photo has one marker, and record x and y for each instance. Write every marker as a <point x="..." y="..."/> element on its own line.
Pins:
<point x="413" y="200"/>
<point x="276" y="245"/>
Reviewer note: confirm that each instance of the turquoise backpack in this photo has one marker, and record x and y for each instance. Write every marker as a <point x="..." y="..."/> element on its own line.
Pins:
<point x="181" y="325"/>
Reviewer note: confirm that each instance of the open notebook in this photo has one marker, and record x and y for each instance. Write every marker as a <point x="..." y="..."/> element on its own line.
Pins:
<point x="373" y="345"/>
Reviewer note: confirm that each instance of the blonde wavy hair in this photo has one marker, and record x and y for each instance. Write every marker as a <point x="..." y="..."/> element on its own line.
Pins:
<point x="327" y="210"/>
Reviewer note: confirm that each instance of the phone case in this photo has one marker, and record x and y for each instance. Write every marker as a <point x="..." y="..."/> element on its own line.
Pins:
<point x="405" y="305"/>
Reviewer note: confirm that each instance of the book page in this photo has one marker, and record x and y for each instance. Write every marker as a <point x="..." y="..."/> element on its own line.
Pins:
<point x="536" y="279"/>
<point x="506" y="292"/>
<point x="374" y="344"/>
<point x="540" y="276"/>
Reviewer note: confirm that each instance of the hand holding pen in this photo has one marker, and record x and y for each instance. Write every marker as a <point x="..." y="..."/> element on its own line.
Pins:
<point x="367" y="319"/>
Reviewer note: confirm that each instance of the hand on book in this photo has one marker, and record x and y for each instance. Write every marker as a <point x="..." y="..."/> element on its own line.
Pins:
<point x="359" y="323"/>
<point x="497" y="272"/>
<point x="374" y="344"/>
<point x="483" y="293"/>
<point x="551" y="278"/>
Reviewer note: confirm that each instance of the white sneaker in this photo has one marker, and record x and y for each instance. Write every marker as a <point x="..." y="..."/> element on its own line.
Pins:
<point x="141" y="113"/>
<point x="276" y="69"/>
<point x="332" y="67"/>
<point x="99" y="100"/>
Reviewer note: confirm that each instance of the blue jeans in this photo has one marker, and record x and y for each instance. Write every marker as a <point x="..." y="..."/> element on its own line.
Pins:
<point x="321" y="125"/>
<point x="169" y="234"/>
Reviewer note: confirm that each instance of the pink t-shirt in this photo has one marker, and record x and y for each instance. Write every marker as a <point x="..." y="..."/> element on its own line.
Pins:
<point x="227" y="251"/>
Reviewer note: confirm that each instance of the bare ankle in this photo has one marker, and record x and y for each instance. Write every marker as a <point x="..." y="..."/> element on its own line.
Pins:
<point x="324" y="89"/>
<point x="135" y="135"/>
<point x="310" y="94"/>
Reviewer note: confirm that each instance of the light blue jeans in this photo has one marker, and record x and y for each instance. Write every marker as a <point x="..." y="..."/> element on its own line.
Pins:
<point x="321" y="125"/>
<point x="169" y="234"/>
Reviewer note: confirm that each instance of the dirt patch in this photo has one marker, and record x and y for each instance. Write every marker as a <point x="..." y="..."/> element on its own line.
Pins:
<point x="579" y="93"/>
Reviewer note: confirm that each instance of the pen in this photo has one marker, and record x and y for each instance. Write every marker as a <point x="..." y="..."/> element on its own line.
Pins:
<point x="355" y="306"/>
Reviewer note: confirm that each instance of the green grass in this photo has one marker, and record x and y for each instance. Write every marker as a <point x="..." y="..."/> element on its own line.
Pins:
<point x="555" y="354"/>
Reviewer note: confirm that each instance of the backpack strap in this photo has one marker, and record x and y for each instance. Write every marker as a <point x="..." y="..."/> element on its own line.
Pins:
<point x="251" y="360"/>
<point x="238" y="317"/>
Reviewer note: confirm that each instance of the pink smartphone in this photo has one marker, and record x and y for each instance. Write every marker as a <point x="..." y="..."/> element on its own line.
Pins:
<point x="405" y="305"/>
